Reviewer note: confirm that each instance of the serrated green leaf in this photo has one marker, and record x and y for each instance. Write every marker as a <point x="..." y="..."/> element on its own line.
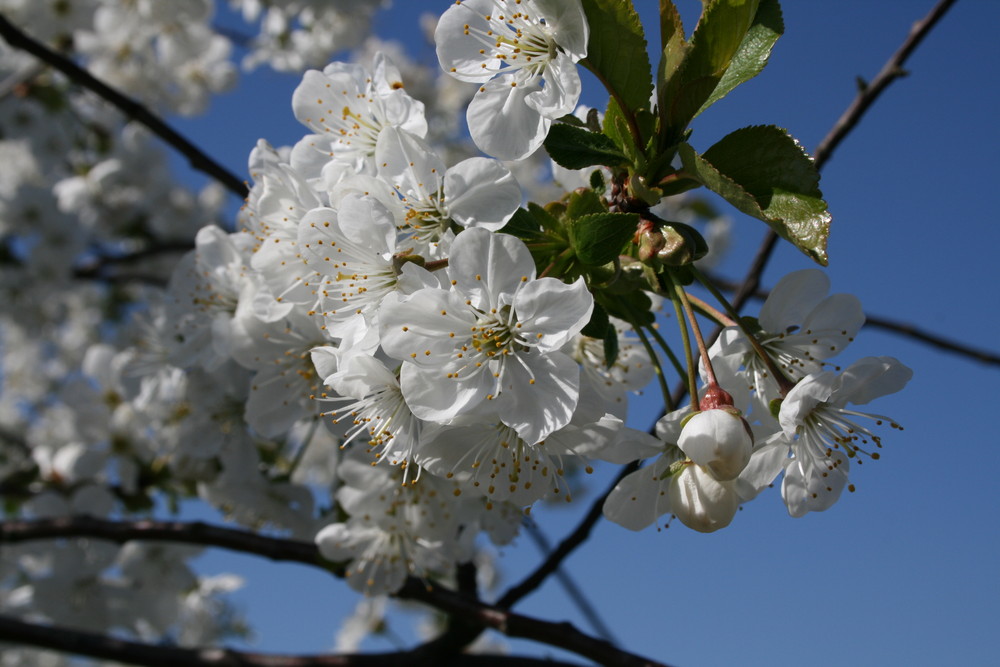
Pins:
<point x="544" y="218"/>
<point x="584" y="203"/>
<point x="576" y="148"/>
<point x="634" y="306"/>
<point x="599" y="237"/>
<point x="616" y="128"/>
<point x="716" y="39"/>
<point x="752" y="54"/>
<point x="765" y="173"/>
<point x="616" y="51"/>
<point x="523" y="225"/>
<point x="674" y="52"/>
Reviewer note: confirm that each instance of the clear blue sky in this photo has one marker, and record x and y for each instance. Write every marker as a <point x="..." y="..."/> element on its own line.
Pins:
<point x="905" y="571"/>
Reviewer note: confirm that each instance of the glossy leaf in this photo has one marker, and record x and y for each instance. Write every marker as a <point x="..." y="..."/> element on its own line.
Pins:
<point x="616" y="52"/>
<point x="599" y="238"/>
<point x="752" y="54"/>
<point x="576" y="148"/>
<point x="716" y="40"/>
<point x="765" y="173"/>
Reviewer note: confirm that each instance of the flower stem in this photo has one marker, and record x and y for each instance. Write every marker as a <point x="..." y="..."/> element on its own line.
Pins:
<point x="692" y="371"/>
<point x="664" y="389"/>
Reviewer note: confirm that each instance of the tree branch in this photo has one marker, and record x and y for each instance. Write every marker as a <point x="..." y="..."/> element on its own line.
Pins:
<point x="894" y="326"/>
<point x="132" y="109"/>
<point x="471" y="611"/>
<point x="892" y="70"/>
<point x="153" y="655"/>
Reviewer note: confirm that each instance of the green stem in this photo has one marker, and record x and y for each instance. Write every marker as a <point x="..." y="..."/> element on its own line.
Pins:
<point x="692" y="372"/>
<point x="699" y="339"/>
<point x="664" y="389"/>
<point x="669" y="352"/>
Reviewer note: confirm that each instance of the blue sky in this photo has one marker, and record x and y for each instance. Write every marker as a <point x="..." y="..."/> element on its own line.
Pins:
<point x="904" y="571"/>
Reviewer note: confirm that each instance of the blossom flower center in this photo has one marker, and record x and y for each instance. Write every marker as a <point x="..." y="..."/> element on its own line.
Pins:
<point x="517" y="40"/>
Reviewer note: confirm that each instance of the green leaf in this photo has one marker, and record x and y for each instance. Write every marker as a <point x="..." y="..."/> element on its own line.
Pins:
<point x="576" y="148"/>
<point x="716" y="40"/>
<point x="752" y="54"/>
<point x="583" y="203"/>
<point x="598" y="324"/>
<point x="548" y="221"/>
<point x="599" y="237"/>
<point x="616" y="51"/>
<point x="610" y="346"/>
<point x="616" y="128"/>
<point x="765" y="173"/>
<point x="523" y="225"/>
<point x="634" y="307"/>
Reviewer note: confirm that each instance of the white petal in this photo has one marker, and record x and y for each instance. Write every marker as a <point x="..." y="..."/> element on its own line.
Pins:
<point x="458" y="52"/>
<point x="488" y="267"/>
<point x="500" y="121"/>
<point x="639" y="499"/>
<point x="552" y="312"/>
<point x="481" y="193"/>
<point x="792" y="299"/>
<point x="538" y="395"/>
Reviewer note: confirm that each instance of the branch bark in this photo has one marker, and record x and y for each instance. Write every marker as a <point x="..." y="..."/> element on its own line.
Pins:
<point x="149" y="655"/>
<point x="469" y="610"/>
<point x="132" y="109"/>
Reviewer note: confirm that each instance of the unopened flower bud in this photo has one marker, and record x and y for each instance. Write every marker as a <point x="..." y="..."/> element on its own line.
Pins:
<point x="651" y="243"/>
<point x="718" y="439"/>
<point x="700" y="501"/>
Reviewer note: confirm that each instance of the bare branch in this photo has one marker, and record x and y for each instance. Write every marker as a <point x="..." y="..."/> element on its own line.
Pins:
<point x="892" y="70"/>
<point x="466" y="608"/>
<point x="150" y="655"/>
<point x="565" y="548"/>
<point x="905" y="329"/>
<point x="132" y="109"/>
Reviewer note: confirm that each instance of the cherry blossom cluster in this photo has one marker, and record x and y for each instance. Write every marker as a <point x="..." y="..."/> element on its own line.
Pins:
<point x="405" y="346"/>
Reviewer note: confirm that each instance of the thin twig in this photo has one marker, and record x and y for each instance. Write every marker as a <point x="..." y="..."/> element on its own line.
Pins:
<point x="572" y="589"/>
<point x="132" y="109"/>
<point x="905" y="329"/>
<point x="459" y="605"/>
<point x="157" y="655"/>
<point x="892" y="70"/>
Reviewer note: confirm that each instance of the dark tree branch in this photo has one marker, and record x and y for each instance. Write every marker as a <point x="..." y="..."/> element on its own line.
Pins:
<point x="471" y="611"/>
<point x="904" y="329"/>
<point x="565" y="548"/>
<point x="149" y="655"/>
<point x="569" y="585"/>
<point x="892" y="70"/>
<point x="132" y="109"/>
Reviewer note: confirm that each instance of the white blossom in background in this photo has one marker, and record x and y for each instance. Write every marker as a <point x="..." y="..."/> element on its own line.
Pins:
<point x="346" y="106"/>
<point x="524" y="55"/>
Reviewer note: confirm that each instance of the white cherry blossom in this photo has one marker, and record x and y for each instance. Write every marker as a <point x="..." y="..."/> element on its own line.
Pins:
<point x="495" y="336"/>
<point x="524" y="53"/>
<point x="823" y="433"/>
